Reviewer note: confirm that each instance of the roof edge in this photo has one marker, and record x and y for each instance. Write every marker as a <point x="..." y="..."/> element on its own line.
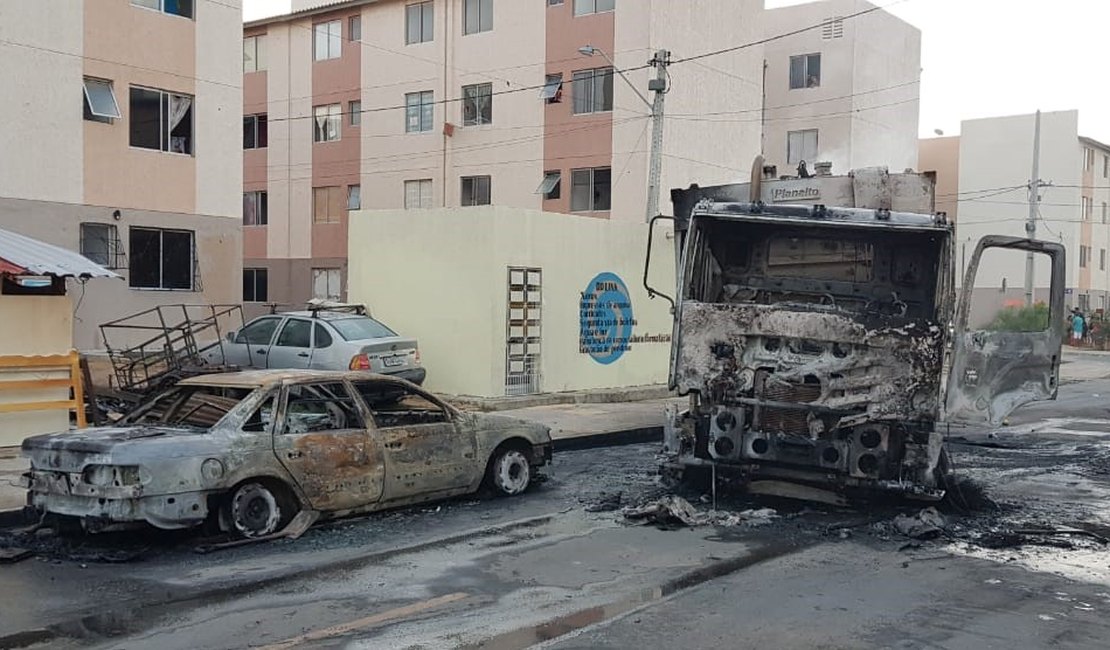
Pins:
<point x="304" y="13"/>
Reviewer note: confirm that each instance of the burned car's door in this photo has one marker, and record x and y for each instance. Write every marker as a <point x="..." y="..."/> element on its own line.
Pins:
<point x="325" y="445"/>
<point x="1006" y="353"/>
<point x="426" y="448"/>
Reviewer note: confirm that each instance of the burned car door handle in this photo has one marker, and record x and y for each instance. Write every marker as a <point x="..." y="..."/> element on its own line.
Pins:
<point x="293" y="455"/>
<point x="260" y="351"/>
<point x="394" y="445"/>
<point x="302" y="354"/>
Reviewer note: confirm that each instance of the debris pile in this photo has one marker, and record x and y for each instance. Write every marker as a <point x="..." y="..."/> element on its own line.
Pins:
<point x="674" y="512"/>
<point x="927" y="524"/>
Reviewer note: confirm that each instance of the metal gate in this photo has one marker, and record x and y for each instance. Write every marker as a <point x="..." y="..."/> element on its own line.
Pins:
<point x="522" y="331"/>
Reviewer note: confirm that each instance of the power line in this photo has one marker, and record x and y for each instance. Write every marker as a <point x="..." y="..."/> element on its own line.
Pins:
<point x="793" y="117"/>
<point x="816" y="101"/>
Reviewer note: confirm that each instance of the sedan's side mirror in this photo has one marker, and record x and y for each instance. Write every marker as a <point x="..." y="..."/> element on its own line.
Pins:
<point x="231" y="336"/>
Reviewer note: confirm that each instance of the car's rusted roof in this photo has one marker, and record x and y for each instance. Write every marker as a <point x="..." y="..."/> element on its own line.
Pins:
<point x="261" y="378"/>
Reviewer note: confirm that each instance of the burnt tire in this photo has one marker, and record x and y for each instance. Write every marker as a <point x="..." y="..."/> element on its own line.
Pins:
<point x="509" y="472"/>
<point x="258" y="508"/>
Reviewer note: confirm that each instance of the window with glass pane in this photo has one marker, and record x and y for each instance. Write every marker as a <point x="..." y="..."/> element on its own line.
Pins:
<point x="593" y="90"/>
<point x="328" y="40"/>
<point x="100" y="101"/>
<point x="419" y="23"/>
<point x="801" y="145"/>
<point x="805" y="71"/>
<point x="354" y="112"/>
<point x="254" y="53"/>
<point x="550" y="187"/>
<point x="477" y="104"/>
<point x="584" y="7"/>
<point x="354" y="197"/>
<point x="255" y="132"/>
<point x="328" y="204"/>
<point x="591" y="190"/>
<point x="256" y="285"/>
<point x="475" y="190"/>
<point x="161" y="259"/>
<point x="419" y="111"/>
<point x="418" y="194"/>
<point x="161" y="120"/>
<point x="255" y="209"/>
<point x="326" y="123"/>
<point x="477" y="16"/>
<point x="183" y="8"/>
<point x="552" y="88"/>
<point x="354" y="28"/>
<point x="326" y="284"/>
<point x="100" y="243"/>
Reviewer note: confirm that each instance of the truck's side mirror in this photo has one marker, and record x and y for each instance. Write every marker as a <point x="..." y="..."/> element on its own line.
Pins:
<point x="647" y="262"/>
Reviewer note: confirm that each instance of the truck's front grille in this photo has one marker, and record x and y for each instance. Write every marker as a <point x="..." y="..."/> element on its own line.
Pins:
<point x="790" y="421"/>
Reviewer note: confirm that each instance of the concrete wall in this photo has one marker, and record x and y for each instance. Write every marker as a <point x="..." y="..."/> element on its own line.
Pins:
<point x="32" y="326"/>
<point x="443" y="280"/>
<point x="866" y="107"/>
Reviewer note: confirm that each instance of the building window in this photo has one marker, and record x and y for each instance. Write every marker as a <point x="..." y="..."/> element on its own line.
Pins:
<point x="354" y="28"/>
<point x="477" y="16"/>
<point x="1083" y="257"/>
<point x="475" y="190"/>
<point x="255" y="209"/>
<point x="419" y="111"/>
<point x="1088" y="158"/>
<point x="1106" y="166"/>
<point x="100" y="243"/>
<point x="552" y="91"/>
<point x="327" y="284"/>
<point x="1087" y="205"/>
<point x="100" y="102"/>
<point x="801" y="145"/>
<point x="1105" y="214"/>
<point x="254" y="132"/>
<point x="254" y="53"/>
<point x="583" y="7"/>
<point x="161" y="120"/>
<point x="328" y="204"/>
<point x="590" y="190"/>
<point x="550" y="187"/>
<point x="419" y="23"/>
<point x="1102" y="259"/>
<point x="832" y="28"/>
<point x="328" y="39"/>
<point x="477" y="104"/>
<point x="354" y="197"/>
<point x="161" y="259"/>
<point x="182" y="8"/>
<point x="354" y="111"/>
<point x="593" y="90"/>
<point x="805" y="71"/>
<point x="418" y="194"/>
<point x="326" y="124"/>
<point x="256" y="285"/>
<point x="554" y="3"/>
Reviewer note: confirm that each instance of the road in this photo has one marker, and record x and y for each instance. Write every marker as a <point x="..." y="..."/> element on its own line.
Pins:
<point x="541" y="569"/>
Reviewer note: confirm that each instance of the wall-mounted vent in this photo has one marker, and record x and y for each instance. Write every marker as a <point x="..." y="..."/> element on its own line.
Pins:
<point x="832" y="28"/>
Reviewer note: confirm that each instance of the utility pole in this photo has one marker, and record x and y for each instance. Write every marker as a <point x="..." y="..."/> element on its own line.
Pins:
<point x="1034" y="202"/>
<point x="658" y="85"/>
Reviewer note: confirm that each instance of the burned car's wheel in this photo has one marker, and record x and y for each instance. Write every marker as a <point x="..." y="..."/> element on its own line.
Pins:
<point x="257" y="509"/>
<point x="509" y="472"/>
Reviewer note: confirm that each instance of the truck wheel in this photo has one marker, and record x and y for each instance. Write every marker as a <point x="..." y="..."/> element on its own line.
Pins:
<point x="509" y="473"/>
<point x="256" y="509"/>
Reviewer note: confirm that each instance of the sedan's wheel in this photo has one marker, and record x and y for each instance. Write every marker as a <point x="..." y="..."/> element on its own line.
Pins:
<point x="510" y="472"/>
<point x="254" y="510"/>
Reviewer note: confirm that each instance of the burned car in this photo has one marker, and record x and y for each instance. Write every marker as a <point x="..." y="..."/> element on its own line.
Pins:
<point x="826" y="351"/>
<point x="252" y="449"/>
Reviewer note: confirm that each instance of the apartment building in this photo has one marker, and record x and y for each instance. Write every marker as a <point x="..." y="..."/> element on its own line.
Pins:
<point x="387" y="104"/>
<point x="992" y="163"/>
<point x="847" y="93"/>
<point x="120" y="141"/>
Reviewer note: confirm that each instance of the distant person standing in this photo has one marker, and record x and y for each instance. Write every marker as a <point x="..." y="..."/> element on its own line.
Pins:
<point x="1078" y="325"/>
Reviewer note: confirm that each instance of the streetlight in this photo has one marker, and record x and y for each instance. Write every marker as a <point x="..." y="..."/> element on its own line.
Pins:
<point x="658" y="85"/>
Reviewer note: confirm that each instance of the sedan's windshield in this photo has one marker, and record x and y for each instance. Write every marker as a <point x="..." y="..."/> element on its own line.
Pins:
<point x="189" y="406"/>
<point x="358" y="329"/>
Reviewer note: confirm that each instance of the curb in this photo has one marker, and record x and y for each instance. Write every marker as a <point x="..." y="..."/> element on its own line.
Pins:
<point x="609" y="439"/>
<point x="58" y="630"/>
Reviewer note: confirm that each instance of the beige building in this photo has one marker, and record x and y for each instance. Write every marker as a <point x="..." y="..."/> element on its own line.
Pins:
<point x="388" y="105"/>
<point x="142" y="174"/>
<point x="847" y="93"/>
<point x="987" y="169"/>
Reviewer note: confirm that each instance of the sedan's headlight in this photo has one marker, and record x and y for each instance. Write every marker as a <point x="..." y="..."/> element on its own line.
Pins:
<point x="111" y="475"/>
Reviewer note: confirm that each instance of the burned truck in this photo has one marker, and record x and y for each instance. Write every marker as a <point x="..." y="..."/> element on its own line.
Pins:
<point x="825" y="348"/>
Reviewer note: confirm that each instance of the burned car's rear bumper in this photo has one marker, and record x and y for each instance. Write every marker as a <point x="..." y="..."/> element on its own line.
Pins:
<point x="103" y="507"/>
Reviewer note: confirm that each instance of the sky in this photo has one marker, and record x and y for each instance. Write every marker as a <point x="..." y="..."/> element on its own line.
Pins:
<point x="983" y="58"/>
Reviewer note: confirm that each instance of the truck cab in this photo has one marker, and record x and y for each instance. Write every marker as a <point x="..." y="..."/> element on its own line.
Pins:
<point x="828" y="348"/>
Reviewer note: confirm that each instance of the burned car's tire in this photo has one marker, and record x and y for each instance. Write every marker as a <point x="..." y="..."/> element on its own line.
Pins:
<point x="509" y="472"/>
<point x="259" y="508"/>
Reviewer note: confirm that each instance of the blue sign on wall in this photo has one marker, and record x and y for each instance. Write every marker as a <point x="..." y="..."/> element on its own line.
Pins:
<point x="605" y="319"/>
